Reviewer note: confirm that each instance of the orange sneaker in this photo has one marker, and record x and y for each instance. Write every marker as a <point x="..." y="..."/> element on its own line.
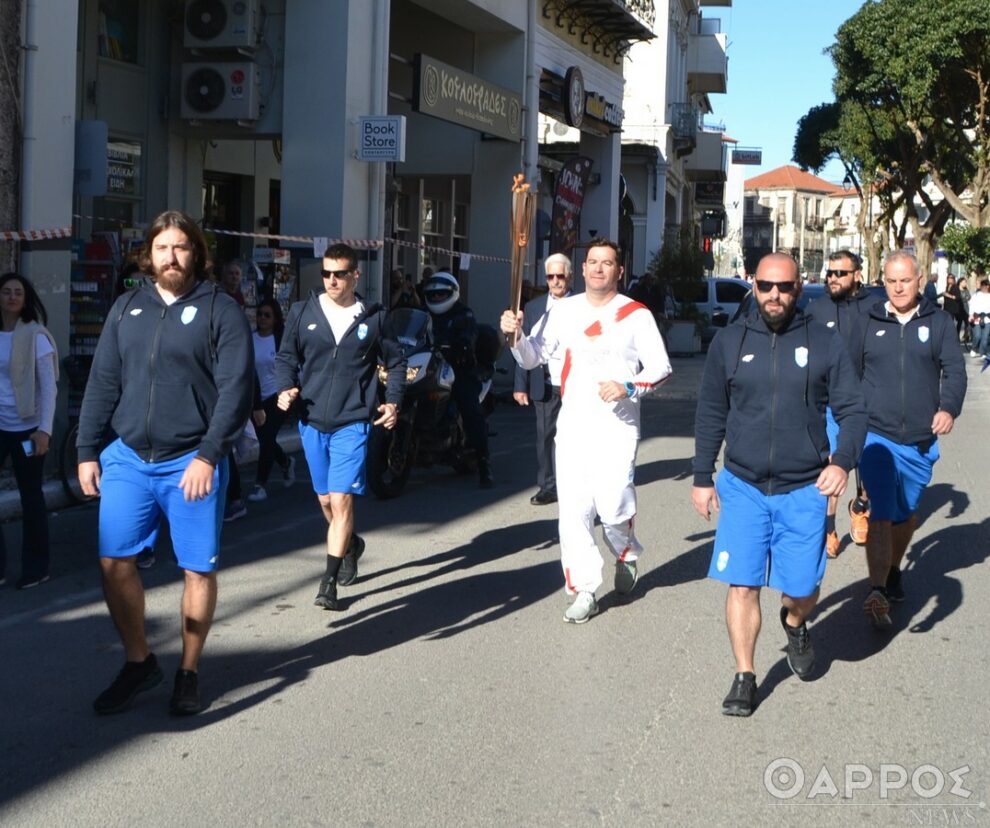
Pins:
<point x="832" y="544"/>
<point x="859" y="525"/>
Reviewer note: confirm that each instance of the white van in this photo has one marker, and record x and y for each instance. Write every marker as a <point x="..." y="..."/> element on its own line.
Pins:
<point x="717" y="297"/>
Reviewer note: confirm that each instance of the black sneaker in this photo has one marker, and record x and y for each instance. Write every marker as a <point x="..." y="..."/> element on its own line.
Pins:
<point x="29" y="581"/>
<point x="185" y="694"/>
<point x="134" y="678"/>
<point x="347" y="574"/>
<point x="485" y="479"/>
<point x="741" y="700"/>
<point x="800" y="653"/>
<point x="895" y="592"/>
<point x="327" y="595"/>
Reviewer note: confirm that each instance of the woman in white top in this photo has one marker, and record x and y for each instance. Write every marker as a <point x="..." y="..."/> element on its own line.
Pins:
<point x="28" y="372"/>
<point x="269" y="326"/>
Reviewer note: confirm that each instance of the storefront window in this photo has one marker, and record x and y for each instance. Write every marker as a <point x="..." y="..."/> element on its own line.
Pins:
<point x="432" y="217"/>
<point x="118" y="30"/>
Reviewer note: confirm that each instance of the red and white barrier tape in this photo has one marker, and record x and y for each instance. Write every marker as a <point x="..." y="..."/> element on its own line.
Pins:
<point x="360" y="244"/>
<point x="36" y="235"/>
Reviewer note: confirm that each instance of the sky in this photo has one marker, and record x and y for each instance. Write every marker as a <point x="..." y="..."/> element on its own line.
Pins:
<point x="777" y="72"/>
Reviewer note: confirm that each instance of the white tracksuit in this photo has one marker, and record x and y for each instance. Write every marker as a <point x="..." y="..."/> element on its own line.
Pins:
<point x="596" y="441"/>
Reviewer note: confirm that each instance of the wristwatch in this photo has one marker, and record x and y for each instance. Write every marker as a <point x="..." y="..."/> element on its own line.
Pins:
<point x="630" y="389"/>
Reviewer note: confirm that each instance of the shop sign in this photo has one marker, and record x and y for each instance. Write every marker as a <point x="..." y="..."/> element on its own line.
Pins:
<point x="597" y="107"/>
<point x="565" y="226"/>
<point x="123" y="168"/>
<point x="382" y="138"/>
<point x="465" y="99"/>
<point x="753" y="157"/>
<point x="709" y="192"/>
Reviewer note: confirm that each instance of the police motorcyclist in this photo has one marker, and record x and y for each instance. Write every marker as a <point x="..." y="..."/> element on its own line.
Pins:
<point x="455" y="332"/>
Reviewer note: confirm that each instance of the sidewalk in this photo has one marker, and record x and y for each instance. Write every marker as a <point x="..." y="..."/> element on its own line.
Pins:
<point x="57" y="498"/>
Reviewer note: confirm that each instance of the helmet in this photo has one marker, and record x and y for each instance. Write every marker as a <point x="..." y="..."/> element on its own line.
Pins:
<point x="441" y="292"/>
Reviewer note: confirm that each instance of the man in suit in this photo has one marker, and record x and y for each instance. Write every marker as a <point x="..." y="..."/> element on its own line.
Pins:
<point x="541" y="385"/>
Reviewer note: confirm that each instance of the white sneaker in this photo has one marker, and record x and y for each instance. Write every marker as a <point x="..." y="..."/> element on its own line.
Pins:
<point x="289" y="472"/>
<point x="582" y="609"/>
<point x="258" y="493"/>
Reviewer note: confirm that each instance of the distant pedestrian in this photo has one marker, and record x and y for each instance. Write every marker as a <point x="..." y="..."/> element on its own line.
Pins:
<point x="612" y="355"/>
<point x="172" y="374"/>
<point x="914" y="381"/>
<point x="28" y="373"/>
<point x="979" y="318"/>
<point x="541" y="385"/>
<point x="328" y="361"/>
<point x="767" y="380"/>
<point x="269" y="327"/>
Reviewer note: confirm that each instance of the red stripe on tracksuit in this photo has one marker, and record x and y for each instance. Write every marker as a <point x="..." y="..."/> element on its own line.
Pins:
<point x="565" y="371"/>
<point x="627" y="309"/>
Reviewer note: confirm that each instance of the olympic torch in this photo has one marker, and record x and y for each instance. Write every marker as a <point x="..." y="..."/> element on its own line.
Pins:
<point x="521" y="223"/>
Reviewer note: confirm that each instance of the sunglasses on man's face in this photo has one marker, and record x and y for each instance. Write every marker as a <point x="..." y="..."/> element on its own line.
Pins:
<point x="336" y="274"/>
<point x="764" y="286"/>
<point x="552" y="276"/>
<point x="838" y="274"/>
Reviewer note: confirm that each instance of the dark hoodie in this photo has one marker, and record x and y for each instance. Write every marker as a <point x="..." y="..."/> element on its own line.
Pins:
<point x="765" y="392"/>
<point x="845" y="316"/>
<point x="338" y="381"/>
<point x="170" y="379"/>
<point x="910" y="371"/>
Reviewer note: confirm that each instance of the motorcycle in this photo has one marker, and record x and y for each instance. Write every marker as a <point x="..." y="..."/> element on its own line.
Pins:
<point x="429" y="429"/>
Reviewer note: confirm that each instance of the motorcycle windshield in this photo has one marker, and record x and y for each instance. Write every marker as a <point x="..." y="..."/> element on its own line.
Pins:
<point x="410" y="327"/>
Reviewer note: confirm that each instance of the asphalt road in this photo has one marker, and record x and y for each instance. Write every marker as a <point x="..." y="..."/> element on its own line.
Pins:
<point x="450" y="692"/>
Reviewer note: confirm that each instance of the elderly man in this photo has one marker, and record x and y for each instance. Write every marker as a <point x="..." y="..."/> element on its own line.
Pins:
<point x="612" y="354"/>
<point x="767" y="380"/>
<point x="914" y="381"/>
<point x="541" y="385"/>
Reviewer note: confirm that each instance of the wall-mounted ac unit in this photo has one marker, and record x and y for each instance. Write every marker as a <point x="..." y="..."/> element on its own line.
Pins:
<point x="220" y="91"/>
<point x="221" y="24"/>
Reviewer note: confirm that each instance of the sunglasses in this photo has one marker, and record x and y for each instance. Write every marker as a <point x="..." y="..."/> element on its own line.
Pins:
<point x="837" y="274"/>
<point x="764" y="286"/>
<point x="552" y="276"/>
<point x="336" y="274"/>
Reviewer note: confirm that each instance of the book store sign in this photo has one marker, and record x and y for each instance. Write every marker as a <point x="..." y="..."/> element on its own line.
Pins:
<point x="382" y="138"/>
<point x="461" y="98"/>
<point x="123" y="168"/>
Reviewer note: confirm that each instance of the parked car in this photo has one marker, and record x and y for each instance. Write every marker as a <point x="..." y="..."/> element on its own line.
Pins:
<point x="717" y="297"/>
<point x="809" y="293"/>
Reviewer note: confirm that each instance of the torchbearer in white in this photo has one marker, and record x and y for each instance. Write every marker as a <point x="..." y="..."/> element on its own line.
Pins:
<point x="613" y="354"/>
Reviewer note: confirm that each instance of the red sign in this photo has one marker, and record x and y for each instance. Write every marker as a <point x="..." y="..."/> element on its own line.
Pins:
<point x="567" y="202"/>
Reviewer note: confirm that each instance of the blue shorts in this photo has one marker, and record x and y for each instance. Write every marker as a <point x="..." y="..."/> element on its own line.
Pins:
<point x="769" y="540"/>
<point x="336" y="460"/>
<point x="832" y="430"/>
<point x="134" y="496"/>
<point x="895" y="475"/>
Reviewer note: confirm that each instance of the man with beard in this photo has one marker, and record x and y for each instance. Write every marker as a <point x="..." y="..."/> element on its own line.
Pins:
<point x="767" y="380"/>
<point x="173" y="376"/>
<point x="842" y="310"/>
<point x="914" y="380"/>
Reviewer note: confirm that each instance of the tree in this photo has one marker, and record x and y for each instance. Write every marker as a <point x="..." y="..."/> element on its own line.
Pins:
<point x="970" y="246"/>
<point x="926" y="67"/>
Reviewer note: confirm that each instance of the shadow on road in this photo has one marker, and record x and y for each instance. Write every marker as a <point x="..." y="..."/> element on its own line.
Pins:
<point x="844" y="634"/>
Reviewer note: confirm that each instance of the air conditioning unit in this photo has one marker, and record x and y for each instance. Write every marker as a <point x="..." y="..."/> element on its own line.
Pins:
<point x="221" y="24"/>
<point x="220" y="92"/>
